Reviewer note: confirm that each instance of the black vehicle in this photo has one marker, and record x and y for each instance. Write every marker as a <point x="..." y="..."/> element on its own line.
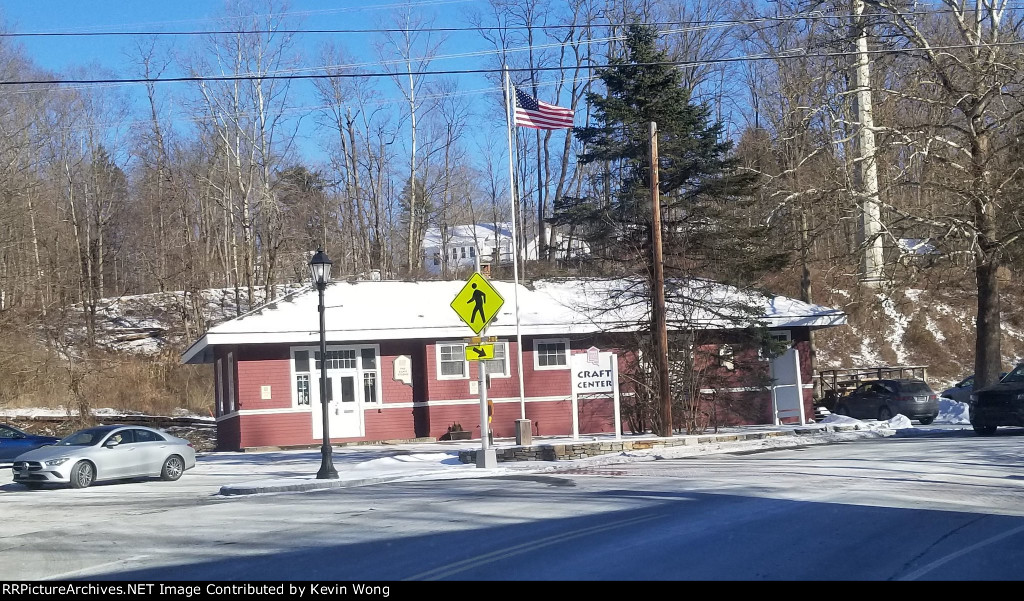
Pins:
<point x="1001" y="404"/>
<point x="882" y="399"/>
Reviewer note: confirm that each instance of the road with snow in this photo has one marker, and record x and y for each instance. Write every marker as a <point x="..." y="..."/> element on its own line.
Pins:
<point x="937" y="504"/>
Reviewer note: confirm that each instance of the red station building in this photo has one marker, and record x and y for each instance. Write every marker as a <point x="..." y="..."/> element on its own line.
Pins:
<point x="396" y="366"/>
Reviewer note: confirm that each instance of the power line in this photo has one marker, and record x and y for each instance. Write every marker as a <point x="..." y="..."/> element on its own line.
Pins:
<point x="781" y="55"/>
<point x="809" y="16"/>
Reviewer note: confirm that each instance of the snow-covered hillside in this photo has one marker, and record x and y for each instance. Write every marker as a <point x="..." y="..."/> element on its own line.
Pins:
<point x="154" y="323"/>
<point x="913" y="327"/>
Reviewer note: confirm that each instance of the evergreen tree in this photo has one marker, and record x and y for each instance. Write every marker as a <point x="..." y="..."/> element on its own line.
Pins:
<point x="707" y="237"/>
<point x="703" y="196"/>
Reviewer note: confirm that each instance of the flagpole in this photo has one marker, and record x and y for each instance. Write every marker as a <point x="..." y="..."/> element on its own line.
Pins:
<point x="515" y="250"/>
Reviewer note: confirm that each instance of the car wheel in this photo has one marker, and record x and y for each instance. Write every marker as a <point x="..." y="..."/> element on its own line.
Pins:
<point x="173" y="468"/>
<point x="842" y="410"/>
<point x="984" y="430"/>
<point x="884" y="414"/>
<point x="926" y="420"/>
<point x="82" y="475"/>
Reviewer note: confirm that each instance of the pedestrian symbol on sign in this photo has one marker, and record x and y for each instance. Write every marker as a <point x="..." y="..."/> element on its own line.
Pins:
<point x="477" y="303"/>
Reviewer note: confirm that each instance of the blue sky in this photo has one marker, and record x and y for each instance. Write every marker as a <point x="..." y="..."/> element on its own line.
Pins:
<point x="112" y="56"/>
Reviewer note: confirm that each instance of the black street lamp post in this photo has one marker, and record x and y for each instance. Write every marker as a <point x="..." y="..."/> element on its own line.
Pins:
<point x="320" y="269"/>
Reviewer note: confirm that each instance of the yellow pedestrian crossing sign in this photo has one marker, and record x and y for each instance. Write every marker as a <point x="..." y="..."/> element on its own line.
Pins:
<point x="477" y="303"/>
<point x="479" y="352"/>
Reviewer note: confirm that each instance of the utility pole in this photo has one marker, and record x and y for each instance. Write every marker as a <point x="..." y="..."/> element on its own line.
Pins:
<point x="866" y="172"/>
<point x="659" y="325"/>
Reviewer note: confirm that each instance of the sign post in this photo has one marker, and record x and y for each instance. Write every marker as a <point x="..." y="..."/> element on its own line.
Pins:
<point x="476" y="304"/>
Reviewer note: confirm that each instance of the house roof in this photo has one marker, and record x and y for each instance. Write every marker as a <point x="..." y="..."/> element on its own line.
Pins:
<point x="467" y="235"/>
<point x="393" y="310"/>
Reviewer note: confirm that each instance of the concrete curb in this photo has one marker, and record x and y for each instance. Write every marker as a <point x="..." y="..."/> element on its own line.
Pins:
<point x="256" y="489"/>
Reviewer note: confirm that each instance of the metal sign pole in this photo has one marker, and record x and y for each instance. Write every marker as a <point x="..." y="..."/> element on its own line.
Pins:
<point x="484" y="426"/>
<point x="616" y="405"/>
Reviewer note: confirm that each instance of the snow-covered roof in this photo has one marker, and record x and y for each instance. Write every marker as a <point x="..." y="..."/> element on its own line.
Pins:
<point x="393" y="310"/>
<point x="467" y="235"/>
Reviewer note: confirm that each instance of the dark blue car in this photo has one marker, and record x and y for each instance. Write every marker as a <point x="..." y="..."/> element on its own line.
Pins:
<point x="14" y="442"/>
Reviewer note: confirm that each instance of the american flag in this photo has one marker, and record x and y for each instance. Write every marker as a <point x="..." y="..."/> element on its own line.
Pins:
<point x="531" y="112"/>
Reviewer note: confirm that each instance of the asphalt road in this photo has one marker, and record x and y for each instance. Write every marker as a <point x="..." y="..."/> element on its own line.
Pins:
<point x="946" y="506"/>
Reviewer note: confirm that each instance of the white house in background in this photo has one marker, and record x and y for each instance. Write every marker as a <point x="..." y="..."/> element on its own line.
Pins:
<point x="462" y="243"/>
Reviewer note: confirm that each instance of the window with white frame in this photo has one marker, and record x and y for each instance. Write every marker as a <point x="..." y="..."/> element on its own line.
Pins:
<point x="451" y="361"/>
<point x="726" y="357"/>
<point x="368" y="364"/>
<point x="302" y="390"/>
<point x="341" y="359"/>
<point x="498" y="366"/>
<point x="300" y="360"/>
<point x="781" y="336"/>
<point x="363" y="361"/>
<point x="551" y="354"/>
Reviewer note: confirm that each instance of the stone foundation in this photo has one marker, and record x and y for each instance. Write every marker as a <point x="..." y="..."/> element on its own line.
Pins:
<point x="582" y="450"/>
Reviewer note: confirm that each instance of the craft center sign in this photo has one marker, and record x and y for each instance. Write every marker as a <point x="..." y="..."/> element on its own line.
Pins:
<point x="592" y="372"/>
<point x="593" y="380"/>
<point x="595" y="376"/>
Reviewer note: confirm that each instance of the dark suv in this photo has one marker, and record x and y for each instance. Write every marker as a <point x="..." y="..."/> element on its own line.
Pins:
<point x="1001" y="404"/>
<point x="882" y="399"/>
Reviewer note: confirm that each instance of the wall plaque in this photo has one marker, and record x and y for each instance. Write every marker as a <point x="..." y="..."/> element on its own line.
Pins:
<point x="403" y="369"/>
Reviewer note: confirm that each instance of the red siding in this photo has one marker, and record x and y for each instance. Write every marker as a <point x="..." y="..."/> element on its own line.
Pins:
<point x="258" y="367"/>
<point x="277" y="429"/>
<point x="270" y="365"/>
<point x="393" y="391"/>
<point x="596" y="416"/>
<point x="389" y="424"/>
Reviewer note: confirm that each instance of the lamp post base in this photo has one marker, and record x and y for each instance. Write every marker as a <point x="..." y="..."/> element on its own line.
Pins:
<point x="327" y="471"/>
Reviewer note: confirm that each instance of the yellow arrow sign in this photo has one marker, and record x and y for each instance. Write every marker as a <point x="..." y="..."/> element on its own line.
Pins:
<point x="479" y="352"/>
<point x="477" y="303"/>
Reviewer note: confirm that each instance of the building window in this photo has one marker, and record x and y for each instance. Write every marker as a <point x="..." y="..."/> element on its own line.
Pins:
<point x="551" y="354"/>
<point x="725" y="357"/>
<point x="368" y="356"/>
<point x="463" y="252"/>
<point x="302" y="379"/>
<point x="451" y="361"/>
<point x="783" y="336"/>
<point x="472" y="252"/>
<point x="455" y="254"/>
<point x="498" y="366"/>
<point x="302" y="389"/>
<point x="343" y="359"/>
<point x="437" y="258"/>
<point x="370" y="387"/>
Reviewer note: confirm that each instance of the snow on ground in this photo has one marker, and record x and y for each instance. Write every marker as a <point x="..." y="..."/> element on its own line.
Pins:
<point x="897" y="327"/>
<point x="34" y="412"/>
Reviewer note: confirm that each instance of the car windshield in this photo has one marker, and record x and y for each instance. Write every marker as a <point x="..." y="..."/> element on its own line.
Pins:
<point x="83" y="438"/>
<point x="914" y="387"/>
<point x="1017" y="375"/>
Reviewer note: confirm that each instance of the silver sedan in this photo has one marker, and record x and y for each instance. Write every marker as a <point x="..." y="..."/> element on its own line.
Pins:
<point x="106" y="453"/>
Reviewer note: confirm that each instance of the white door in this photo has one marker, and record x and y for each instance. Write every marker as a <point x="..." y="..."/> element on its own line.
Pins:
<point x="344" y="411"/>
